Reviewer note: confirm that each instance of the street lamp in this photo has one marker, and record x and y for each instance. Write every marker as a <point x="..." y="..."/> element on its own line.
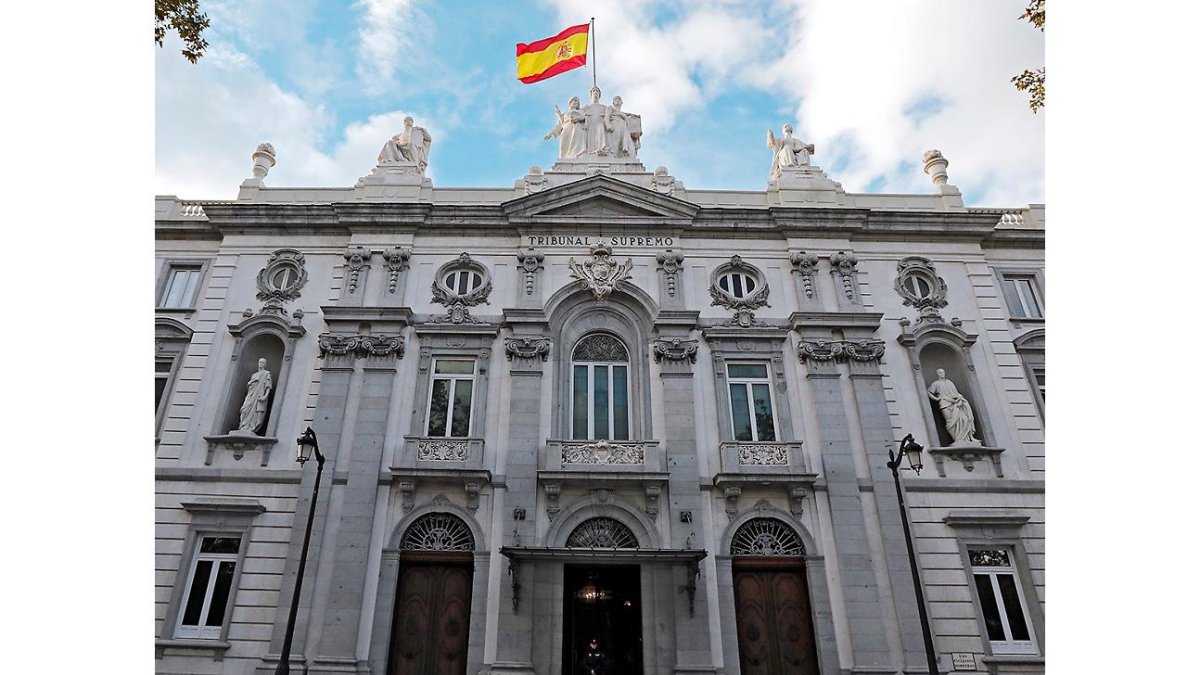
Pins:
<point x="911" y="450"/>
<point x="306" y="447"/>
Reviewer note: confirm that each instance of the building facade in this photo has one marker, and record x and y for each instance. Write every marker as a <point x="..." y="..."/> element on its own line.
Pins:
<point x="598" y="423"/>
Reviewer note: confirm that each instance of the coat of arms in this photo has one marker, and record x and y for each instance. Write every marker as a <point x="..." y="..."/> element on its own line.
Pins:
<point x="600" y="274"/>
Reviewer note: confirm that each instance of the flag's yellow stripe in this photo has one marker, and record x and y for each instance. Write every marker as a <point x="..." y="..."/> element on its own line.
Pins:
<point x="533" y="63"/>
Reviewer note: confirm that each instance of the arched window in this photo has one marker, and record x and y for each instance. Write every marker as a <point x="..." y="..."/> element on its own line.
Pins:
<point x="766" y="536"/>
<point x="600" y="389"/>
<point x="738" y="284"/>
<point x="438" y="532"/>
<point x="602" y="533"/>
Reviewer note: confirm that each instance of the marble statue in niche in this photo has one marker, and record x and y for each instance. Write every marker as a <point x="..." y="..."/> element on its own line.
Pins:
<point x="254" y="406"/>
<point x="956" y="411"/>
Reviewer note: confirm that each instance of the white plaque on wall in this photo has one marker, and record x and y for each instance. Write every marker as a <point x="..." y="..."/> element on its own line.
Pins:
<point x="963" y="661"/>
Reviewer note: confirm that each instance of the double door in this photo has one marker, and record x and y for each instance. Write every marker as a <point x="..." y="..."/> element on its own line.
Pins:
<point x="433" y="616"/>
<point x="774" y="618"/>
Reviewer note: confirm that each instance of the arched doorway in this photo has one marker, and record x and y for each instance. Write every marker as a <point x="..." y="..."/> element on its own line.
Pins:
<point x="602" y="605"/>
<point x="433" y="598"/>
<point x="770" y="590"/>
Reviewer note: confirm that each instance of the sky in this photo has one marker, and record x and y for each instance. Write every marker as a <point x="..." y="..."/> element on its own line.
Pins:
<point x="872" y="85"/>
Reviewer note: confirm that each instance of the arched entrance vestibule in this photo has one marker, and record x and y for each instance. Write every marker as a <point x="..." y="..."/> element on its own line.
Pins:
<point x="772" y="588"/>
<point x="599" y="553"/>
<point x="432" y="594"/>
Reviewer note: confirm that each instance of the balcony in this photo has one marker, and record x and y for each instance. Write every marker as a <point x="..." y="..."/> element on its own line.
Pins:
<point x="765" y="464"/>
<point x="436" y="459"/>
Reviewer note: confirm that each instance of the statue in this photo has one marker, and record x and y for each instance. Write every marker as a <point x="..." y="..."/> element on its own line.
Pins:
<point x="624" y="130"/>
<point x="956" y="411"/>
<point x="411" y="145"/>
<point x="788" y="151"/>
<point x="254" y="407"/>
<point x="595" y="113"/>
<point x="572" y="138"/>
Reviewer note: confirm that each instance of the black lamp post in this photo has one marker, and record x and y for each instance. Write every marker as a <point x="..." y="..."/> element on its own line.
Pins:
<point x="306" y="446"/>
<point x="912" y="450"/>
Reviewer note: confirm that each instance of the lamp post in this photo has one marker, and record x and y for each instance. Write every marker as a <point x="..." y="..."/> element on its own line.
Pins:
<point x="911" y="450"/>
<point x="306" y="446"/>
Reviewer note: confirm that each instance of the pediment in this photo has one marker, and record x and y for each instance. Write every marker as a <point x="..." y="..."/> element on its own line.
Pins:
<point x="599" y="198"/>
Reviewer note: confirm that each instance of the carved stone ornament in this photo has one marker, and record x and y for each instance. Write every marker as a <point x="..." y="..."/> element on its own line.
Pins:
<point x="920" y="286"/>
<point x="531" y="261"/>
<point x="604" y="452"/>
<point x="742" y="314"/>
<point x="845" y="266"/>
<point x="281" y="279"/>
<point x="360" y="345"/>
<point x="527" y="348"/>
<point x="762" y="454"/>
<point x="662" y="182"/>
<point x="841" y="350"/>
<point x="806" y="267"/>
<point x="675" y="349"/>
<point x="669" y="262"/>
<point x="356" y="258"/>
<point x="443" y="450"/>
<point x="601" y="274"/>
<point x="457" y="300"/>
<point x="395" y="259"/>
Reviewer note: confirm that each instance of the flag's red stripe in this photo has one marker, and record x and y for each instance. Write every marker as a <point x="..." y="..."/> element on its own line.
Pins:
<point x="539" y="45"/>
<point x="560" y="67"/>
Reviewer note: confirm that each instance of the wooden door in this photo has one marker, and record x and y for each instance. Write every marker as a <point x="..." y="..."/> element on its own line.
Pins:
<point x="433" y="614"/>
<point x="774" y="620"/>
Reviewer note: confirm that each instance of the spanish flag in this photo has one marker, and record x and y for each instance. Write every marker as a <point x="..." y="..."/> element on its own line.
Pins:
<point x="546" y="58"/>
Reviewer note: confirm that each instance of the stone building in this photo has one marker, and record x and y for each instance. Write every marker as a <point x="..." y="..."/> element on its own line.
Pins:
<point x="598" y="422"/>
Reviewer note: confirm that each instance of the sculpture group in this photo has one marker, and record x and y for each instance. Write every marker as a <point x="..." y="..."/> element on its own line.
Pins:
<point x="596" y="129"/>
<point x="592" y="131"/>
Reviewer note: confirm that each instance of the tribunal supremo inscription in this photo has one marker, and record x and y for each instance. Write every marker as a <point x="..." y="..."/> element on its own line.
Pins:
<point x="615" y="240"/>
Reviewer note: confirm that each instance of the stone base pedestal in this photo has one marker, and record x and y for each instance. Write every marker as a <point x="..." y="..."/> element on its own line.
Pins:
<point x="804" y="186"/>
<point x="394" y="181"/>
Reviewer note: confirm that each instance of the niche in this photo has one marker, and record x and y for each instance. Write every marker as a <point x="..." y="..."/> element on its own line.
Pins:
<point x="263" y="346"/>
<point x="939" y="355"/>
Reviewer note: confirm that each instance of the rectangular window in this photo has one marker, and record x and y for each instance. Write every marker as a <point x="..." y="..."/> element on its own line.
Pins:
<point x="180" y="290"/>
<point x="1020" y="292"/>
<point x="750" y="402"/>
<point x="1005" y="618"/>
<point x="1039" y="376"/>
<point x="209" y="588"/>
<point x="450" y="398"/>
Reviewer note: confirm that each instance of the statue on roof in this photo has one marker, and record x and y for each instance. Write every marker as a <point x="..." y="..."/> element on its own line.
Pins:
<point x="788" y="151"/>
<point x="408" y="146"/>
<point x="597" y="130"/>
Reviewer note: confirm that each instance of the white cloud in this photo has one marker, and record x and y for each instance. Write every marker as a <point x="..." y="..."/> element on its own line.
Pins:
<point x="388" y="31"/>
<point x="849" y="71"/>
<point x="211" y="116"/>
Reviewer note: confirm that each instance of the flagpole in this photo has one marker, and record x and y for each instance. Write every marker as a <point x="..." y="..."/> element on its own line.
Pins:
<point x="592" y="40"/>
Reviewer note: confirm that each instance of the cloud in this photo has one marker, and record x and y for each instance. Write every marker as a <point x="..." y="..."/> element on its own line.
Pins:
<point x="390" y="29"/>
<point x="211" y="116"/>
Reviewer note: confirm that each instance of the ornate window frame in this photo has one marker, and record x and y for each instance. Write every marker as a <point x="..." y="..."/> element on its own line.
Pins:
<point x="766" y="536"/>
<point x="281" y="279"/>
<point x="917" y="271"/>
<point x="621" y="315"/>
<point x="457" y="302"/>
<point x="472" y="342"/>
<point x="742" y="307"/>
